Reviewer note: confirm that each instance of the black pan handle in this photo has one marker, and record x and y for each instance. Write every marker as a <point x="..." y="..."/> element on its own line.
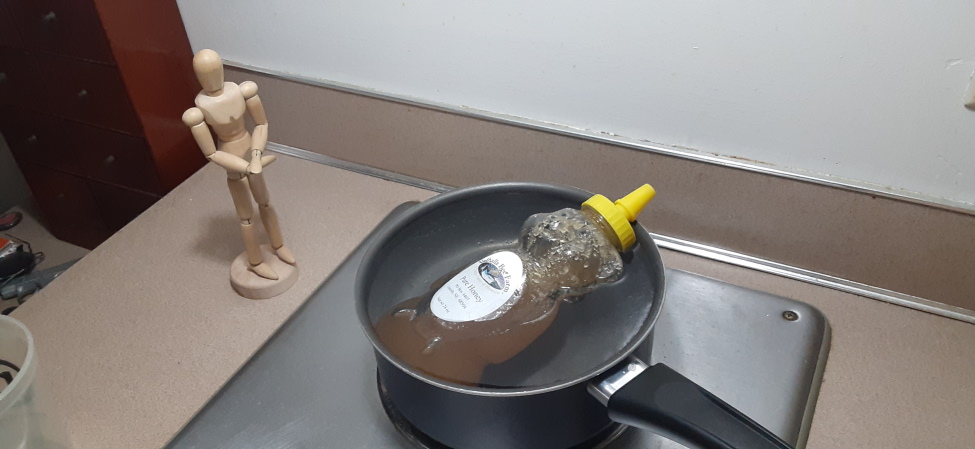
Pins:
<point x="663" y="401"/>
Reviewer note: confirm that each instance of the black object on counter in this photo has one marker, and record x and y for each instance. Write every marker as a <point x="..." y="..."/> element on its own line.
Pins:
<point x="9" y="220"/>
<point x="28" y="284"/>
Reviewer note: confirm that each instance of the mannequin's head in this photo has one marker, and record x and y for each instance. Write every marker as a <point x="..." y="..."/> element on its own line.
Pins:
<point x="209" y="70"/>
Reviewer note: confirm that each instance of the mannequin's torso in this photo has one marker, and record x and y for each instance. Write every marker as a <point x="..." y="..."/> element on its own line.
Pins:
<point x="224" y="113"/>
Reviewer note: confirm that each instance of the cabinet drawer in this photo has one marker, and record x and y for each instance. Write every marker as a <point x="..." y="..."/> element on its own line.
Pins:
<point x="81" y="149"/>
<point x="67" y="204"/>
<point x="87" y="92"/>
<point x="20" y="83"/>
<point x="40" y="139"/>
<point x="119" y="206"/>
<point x="113" y="157"/>
<point x="8" y="31"/>
<point x="66" y="27"/>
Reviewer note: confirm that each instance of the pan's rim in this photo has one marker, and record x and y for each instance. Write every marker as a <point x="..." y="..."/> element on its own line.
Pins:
<point x="419" y="210"/>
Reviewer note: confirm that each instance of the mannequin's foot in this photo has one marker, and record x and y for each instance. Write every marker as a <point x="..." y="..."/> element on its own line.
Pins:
<point x="285" y="255"/>
<point x="267" y="279"/>
<point x="265" y="271"/>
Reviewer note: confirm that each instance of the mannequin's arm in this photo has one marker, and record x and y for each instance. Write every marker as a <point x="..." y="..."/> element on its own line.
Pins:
<point x="193" y="117"/>
<point x="259" y="137"/>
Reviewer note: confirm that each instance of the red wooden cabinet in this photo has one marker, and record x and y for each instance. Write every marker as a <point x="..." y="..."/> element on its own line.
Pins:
<point x="68" y="205"/>
<point x="91" y="96"/>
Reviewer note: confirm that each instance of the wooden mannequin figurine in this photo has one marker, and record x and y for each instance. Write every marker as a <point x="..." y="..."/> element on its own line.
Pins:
<point x="222" y="105"/>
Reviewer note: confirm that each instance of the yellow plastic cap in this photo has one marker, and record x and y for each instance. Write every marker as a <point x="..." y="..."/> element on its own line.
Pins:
<point x="622" y="212"/>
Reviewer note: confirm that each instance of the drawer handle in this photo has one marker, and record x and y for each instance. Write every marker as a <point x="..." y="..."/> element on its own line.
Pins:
<point x="109" y="160"/>
<point x="32" y="140"/>
<point x="60" y="196"/>
<point x="3" y="77"/>
<point x="83" y="95"/>
<point x="50" y="18"/>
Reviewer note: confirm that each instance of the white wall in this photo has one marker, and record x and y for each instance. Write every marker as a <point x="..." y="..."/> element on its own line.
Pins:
<point x="865" y="90"/>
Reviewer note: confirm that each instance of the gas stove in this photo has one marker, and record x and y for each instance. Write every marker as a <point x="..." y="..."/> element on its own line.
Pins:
<point x="314" y="385"/>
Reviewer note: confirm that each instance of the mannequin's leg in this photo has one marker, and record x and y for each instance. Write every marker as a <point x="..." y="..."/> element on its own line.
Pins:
<point x="245" y="211"/>
<point x="269" y="217"/>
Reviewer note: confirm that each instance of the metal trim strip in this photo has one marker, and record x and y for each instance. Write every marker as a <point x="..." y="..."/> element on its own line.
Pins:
<point x="358" y="168"/>
<point x="613" y="139"/>
<point x="680" y="245"/>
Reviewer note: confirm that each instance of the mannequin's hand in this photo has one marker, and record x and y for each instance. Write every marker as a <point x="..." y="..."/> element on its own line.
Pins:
<point x="255" y="166"/>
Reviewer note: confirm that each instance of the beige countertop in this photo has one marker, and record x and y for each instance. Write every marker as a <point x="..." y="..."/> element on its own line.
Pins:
<point x="135" y="338"/>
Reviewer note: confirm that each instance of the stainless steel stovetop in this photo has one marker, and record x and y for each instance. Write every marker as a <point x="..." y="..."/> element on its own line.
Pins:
<point x="313" y="384"/>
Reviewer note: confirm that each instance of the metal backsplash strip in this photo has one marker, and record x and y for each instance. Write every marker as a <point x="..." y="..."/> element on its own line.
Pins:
<point x="853" y="185"/>
<point x="684" y="246"/>
<point x="358" y="168"/>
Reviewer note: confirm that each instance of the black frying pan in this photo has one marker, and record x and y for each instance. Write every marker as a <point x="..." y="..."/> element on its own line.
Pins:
<point x="573" y="385"/>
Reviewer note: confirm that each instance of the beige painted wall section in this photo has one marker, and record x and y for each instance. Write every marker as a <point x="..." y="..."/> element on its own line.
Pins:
<point x="901" y="246"/>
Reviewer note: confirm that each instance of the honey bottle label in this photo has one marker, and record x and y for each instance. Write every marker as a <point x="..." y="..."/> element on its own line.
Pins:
<point x="482" y="291"/>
